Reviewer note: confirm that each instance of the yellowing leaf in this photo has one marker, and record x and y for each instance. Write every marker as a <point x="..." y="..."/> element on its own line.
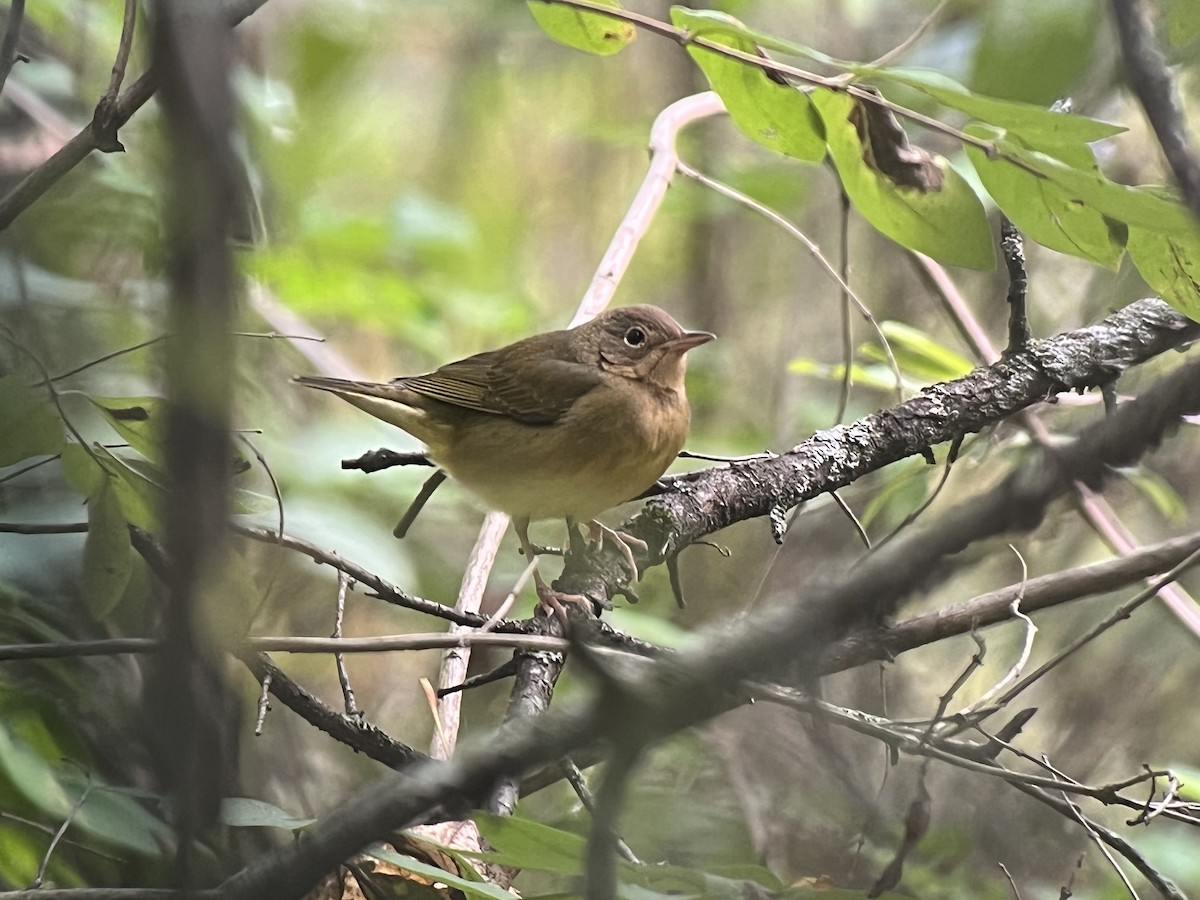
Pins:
<point x="581" y="29"/>
<point x="943" y="220"/>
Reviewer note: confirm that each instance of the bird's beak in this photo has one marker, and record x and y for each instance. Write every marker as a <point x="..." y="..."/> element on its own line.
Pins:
<point x="689" y="340"/>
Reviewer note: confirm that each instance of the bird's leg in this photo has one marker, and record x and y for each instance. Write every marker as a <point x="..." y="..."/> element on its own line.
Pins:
<point x="548" y="597"/>
<point x="598" y="533"/>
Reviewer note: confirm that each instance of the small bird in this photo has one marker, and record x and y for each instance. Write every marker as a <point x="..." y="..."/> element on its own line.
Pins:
<point x="564" y="424"/>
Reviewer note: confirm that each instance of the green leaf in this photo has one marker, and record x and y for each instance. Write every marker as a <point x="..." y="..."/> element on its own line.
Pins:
<point x="1033" y="50"/>
<point x="530" y="845"/>
<point x="581" y="29"/>
<point x="109" y="816"/>
<point x="1189" y="777"/>
<point x="107" y="561"/>
<point x="1048" y="212"/>
<point x="947" y="222"/>
<point x="249" y="503"/>
<point x="778" y="116"/>
<point x="878" y="377"/>
<point x="1170" y="263"/>
<point x="245" y="812"/>
<point x="29" y="423"/>
<point x="83" y="472"/>
<point x="139" y="494"/>
<point x="919" y="355"/>
<point x="139" y="420"/>
<point x="1037" y="124"/>
<point x="1140" y="207"/>
<point x="481" y="889"/>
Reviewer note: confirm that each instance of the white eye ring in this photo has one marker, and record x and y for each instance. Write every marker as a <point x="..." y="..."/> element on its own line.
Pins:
<point x="635" y="337"/>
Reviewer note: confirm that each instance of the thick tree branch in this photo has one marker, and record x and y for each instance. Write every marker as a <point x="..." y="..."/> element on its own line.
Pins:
<point x="702" y="502"/>
<point x="886" y="641"/>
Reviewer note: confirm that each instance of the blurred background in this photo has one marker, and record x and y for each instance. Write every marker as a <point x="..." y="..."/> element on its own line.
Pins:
<point x="429" y="180"/>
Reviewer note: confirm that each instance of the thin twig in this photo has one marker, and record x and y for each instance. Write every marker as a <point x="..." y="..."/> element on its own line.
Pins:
<point x="1029" y="630"/>
<point x="339" y="661"/>
<point x="1094" y="835"/>
<point x="579" y="785"/>
<point x="1119" y="614"/>
<point x="847" y="325"/>
<point x="849" y="513"/>
<point x="58" y="835"/>
<point x="905" y="45"/>
<point x="104" y="126"/>
<point x="734" y="194"/>
<point x="1012" y="884"/>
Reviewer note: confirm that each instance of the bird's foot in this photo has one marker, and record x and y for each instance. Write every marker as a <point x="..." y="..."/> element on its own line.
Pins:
<point x="624" y="543"/>
<point x="556" y="602"/>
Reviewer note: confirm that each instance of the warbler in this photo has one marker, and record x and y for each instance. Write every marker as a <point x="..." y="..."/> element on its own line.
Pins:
<point x="564" y="424"/>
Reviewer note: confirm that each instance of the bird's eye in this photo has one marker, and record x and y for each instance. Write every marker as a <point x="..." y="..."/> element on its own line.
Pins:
<point x="635" y="337"/>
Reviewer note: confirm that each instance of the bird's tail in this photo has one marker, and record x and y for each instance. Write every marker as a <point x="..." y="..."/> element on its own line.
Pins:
<point x="391" y="402"/>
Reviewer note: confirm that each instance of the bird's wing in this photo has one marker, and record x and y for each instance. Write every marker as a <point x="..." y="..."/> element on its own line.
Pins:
<point x="534" y="392"/>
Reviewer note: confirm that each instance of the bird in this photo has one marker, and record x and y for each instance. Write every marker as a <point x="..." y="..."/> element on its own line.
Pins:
<point x="564" y="424"/>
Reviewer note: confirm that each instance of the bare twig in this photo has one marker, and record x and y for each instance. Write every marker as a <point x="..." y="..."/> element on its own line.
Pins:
<point x="62" y="830"/>
<point x="104" y="125"/>
<point x="1012" y="884"/>
<point x="1029" y="630"/>
<point x="1121" y="613"/>
<point x="905" y="45"/>
<point x="773" y="216"/>
<point x="1013" y="250"/>
<point x="343" y="676"/>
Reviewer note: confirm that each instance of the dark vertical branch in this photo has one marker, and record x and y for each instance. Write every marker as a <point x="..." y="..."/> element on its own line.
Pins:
<point x="104" y="119"/>
<point x="1150" y="80"/>
<point x="12" y="34"/>
<point x="1012" y="248"/>
<point x="533" y="688"/>
<point x="190" y="705"/>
